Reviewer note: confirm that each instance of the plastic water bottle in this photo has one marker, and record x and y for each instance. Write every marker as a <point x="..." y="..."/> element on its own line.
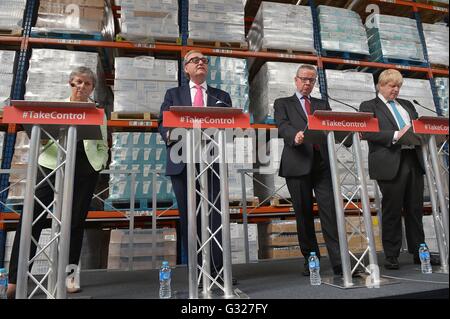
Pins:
<point x="314" y="269"/>
<point x="424" y="255"/>
<point x="165" y="274"/>
<point x="3" y="283"/>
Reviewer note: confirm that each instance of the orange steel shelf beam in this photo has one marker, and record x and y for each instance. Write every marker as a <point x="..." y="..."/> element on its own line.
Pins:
<point x="10" y="40"/>
<point x="416" y="5"/>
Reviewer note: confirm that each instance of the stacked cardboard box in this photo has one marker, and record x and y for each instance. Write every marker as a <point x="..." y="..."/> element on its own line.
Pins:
<point x="11" y="14"/>
<point x="149" y="20"/>
<point x="420" y="90"/>
<point x="141" y="83"/>
<point x="357" y="243"/>
<point x="230" y="75"/>
<point x="48" y="75"/>
<point x="436" y="39"/>
<point x="142" y="253"/>
<point x="278" y="240"/>
<point x="75" y="16"/>
<point x="19" y="161"/>
<point x="238" y="243"/>
<point x="342" y="30"/>
<point x="216" y="20"/>
<point x="6" y="76"/>
<point x="282" y="26"/>
<point x="141" y="152"/>
<point x="240" y="155"/>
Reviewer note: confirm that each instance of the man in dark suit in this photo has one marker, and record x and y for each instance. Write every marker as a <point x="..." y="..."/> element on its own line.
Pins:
<point x="397" y="168"/>
<point x="306" y="168"/>
<point x="195" y="93"/>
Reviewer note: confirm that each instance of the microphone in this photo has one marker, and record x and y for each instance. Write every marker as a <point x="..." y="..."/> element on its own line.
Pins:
<point x="348" y="105"/>
<point x="217" y="99"/>
<point x="415" y="102"/>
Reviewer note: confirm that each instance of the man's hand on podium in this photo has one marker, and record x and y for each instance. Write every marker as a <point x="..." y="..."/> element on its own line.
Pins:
<point x="299" y="138"/>
<point x="403" y="131"/>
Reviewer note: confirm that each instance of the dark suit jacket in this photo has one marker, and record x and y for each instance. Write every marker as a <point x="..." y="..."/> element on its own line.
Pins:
<point x="181" y="96"/>
<point x="296" y="160"/>
<point x="384" y="157"/>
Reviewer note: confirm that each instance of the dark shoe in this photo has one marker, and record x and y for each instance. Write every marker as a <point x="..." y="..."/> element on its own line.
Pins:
<point x="11" y="291"/>
<point x="391" y="263"/>
<point x="434" y="260"/>
<point x="305" y="269"/>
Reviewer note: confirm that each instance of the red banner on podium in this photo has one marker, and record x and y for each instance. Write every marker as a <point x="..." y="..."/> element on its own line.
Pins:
<point x="205" y="119"/>
<point x="431" y="126"/>
<point x="53" y="116"/>
<point x="343" y="121"/>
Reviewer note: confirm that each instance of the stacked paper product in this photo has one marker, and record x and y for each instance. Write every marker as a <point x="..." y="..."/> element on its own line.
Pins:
<point x="74" y="16"/>
<point x="349" y="87"/>
<point x="11" y="15"/>
<point x="238" y="243"/>
<point x="149" y="20"/>
<point x="273" y="80"/>
<point x="230" y="75"/>
<point x="394" y="37"/>
<point x="143" y="254"/>
<point x="342" y="30"/>
<point x="141" y="152"/>
<point x="216" y="20"/>
<point x="268" y="184"/>
<point x="2" y="144"/>
<point x="6" y="76"/>
<point x="49" y="71"/>
<point x="419" y="90"/>
<point x="436" y="38"/>
<point x="141" y="83"/>
<point x="19" y="161"/>
<point x="240" y="156"/>
<point x="442" y="92"/>
<point x="40" y="264"/>
<point x="282" y="26"/>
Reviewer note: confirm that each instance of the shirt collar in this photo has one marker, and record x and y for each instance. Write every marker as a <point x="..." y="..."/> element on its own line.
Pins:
<point x="381" y="97"/>
<point x="203" y="85"/>
<point x="300" y="96"/>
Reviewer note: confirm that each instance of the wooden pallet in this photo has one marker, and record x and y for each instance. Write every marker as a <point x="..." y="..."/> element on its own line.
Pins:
<point x="286" y="51"/>
<point x="280" y="202"/>
<point x="152" y="42"/>
<point x="218" y="44"/>
<point x="127" y="116"/>
<point x="439" y="66"/>
<point x="11" y="33"/>
<point x="251" y="202"/>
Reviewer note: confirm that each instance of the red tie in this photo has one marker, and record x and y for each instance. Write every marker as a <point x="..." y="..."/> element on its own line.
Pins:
<point x="307" y="105"/>
<point x="308" y="111"/>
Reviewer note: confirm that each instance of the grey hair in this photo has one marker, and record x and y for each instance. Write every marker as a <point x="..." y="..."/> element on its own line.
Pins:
<point x="85" y="71"/>
<point x="307" y="67"/>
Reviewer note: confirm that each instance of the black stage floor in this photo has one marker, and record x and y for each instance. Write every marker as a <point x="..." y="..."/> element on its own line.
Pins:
<point x="274" y="279"/>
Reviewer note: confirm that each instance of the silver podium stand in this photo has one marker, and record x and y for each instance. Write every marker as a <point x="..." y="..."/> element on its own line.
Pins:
<point x="336" y="128"/>
<point x="429" y="132"/>
<point x="203" y="129"/>
<point x="63" y="123"/>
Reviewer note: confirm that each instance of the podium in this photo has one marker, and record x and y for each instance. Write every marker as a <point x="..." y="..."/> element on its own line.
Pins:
<point x="337" y="127"/>
<point x="63" y="123"/>
<point x="433" y="131"/>
<point x="204" y="128"/>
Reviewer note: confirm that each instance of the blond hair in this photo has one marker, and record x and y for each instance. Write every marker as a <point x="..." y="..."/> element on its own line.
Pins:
<point x="388" y="76"/>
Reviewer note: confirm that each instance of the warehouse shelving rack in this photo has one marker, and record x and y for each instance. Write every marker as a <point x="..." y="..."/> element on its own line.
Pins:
<point x="422" y="12"/>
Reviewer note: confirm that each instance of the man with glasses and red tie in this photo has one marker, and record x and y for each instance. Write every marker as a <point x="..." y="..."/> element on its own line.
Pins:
<point x="306" y="168"/>
<point x="196" y="93"/>
<point x="397" y="168"/>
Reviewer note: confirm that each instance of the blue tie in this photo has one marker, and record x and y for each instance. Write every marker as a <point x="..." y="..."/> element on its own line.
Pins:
<point x="398" y="116"/>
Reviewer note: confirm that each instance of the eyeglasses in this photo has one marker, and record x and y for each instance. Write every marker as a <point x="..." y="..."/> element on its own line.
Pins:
<point x="196" y="60"/>
<point x="310" y="80"/>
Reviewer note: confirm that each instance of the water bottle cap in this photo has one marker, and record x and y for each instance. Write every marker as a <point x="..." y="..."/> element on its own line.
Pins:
<point x="313" y="253"/>
<point x="423" y="245"/>
<point x="165" y="263"/>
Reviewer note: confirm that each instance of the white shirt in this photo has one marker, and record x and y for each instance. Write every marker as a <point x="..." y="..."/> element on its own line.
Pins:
<point x="194" y="91"/>
<point x="404" y="114"/>
<point x="302" y="101"/>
